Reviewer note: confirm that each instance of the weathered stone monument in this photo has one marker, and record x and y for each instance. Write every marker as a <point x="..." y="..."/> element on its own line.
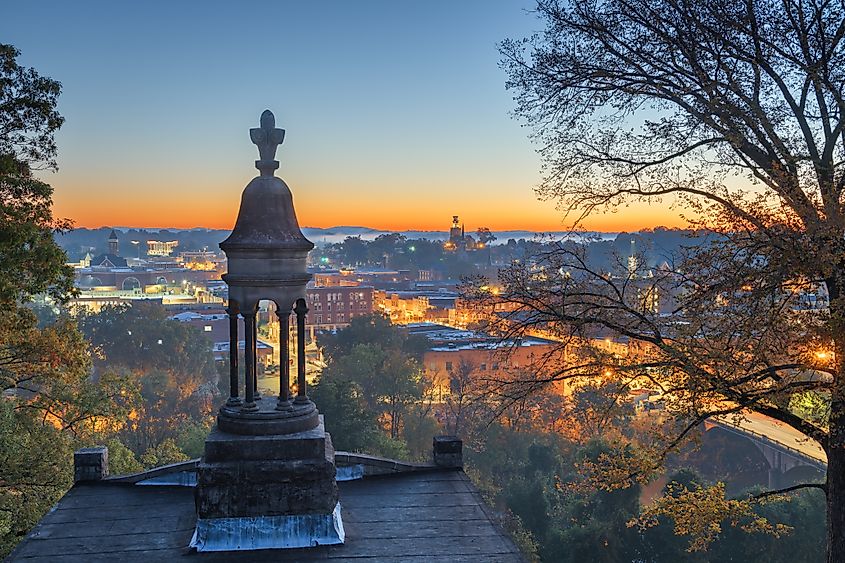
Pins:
<point x="267" y="479"/>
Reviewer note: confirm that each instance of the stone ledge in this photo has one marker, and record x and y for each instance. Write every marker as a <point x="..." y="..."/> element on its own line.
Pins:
<point x="224" y="446"/>
<point x="373" y="465"/>
<point x="263" y="471"/>
<point x="189" y="465"/>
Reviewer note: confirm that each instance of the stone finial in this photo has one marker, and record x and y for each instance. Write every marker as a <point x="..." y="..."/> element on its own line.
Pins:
<point x="91" y="464"/>
<point x="267" y="138"/>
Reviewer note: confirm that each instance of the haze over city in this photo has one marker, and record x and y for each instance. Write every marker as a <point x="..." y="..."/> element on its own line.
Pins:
<point x="395" y="119"/>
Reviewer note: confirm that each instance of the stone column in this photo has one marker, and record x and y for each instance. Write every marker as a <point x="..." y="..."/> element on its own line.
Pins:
<point x="255" y="356"/>
<point x="234" y="400"/>
<point x="301" y="309"/>
<point x="284" y="360"/>
<point x="249" y="361"/>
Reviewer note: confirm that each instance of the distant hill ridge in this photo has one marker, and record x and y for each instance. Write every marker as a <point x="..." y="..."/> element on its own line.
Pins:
<point x="82" y="240"/>
<point x="344" y="231"/>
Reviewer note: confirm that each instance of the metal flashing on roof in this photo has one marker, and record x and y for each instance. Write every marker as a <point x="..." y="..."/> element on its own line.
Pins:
<point x="179" y="479"/>
<point x="268" y="532"/>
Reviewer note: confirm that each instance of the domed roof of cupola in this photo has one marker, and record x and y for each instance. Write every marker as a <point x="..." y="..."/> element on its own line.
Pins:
<point x="266" y="252"/>
<point x="267" y="218"/>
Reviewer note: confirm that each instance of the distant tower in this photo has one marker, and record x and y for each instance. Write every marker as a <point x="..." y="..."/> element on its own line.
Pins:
<point x="114" y="244"/>
<point x="456" y="232"/>
<point x="633" y="262"/>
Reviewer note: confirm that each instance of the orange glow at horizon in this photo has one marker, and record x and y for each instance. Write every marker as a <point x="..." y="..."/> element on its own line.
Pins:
<point x="217" y="217"/>
<point x="324" y="209"/>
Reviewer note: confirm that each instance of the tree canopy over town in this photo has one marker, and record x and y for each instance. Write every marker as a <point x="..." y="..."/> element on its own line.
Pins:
<point x="734" y="110"/>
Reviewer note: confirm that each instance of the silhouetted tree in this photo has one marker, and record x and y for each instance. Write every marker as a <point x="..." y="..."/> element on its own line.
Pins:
<point x="645" y="99"/>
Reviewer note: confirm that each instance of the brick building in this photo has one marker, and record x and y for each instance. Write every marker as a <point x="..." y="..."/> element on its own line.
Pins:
<point x="333" y="307"/>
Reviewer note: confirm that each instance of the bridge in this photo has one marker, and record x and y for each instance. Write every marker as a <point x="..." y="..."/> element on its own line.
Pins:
<point x="791" y="455"/>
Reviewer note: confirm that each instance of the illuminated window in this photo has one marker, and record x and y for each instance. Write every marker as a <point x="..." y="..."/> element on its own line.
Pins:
<point x="207" y="328"/>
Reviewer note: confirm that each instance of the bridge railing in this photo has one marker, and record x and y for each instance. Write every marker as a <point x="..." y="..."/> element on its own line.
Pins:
<point x="766" y="438"/>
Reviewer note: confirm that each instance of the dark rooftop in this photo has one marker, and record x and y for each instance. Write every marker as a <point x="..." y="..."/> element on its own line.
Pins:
<point x="412" y="516"/>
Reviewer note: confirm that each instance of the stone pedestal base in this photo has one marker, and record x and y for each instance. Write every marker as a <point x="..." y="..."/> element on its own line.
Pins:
<point x="250" y="485"/>
<point x="269" y="532"/>
<point x="268" y="419"/>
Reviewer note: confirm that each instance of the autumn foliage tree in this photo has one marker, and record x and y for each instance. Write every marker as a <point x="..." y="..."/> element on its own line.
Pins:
<point x="169" y="363"/>
<point x="375" y="382"/>
<point x="735" y="112"/>
<point x="50" y="403"/>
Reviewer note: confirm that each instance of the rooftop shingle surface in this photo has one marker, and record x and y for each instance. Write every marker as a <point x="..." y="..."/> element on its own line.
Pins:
<point x="427" y="516"/>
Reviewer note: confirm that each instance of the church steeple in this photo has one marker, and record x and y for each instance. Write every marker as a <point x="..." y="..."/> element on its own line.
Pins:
<point x="114" y="244"/>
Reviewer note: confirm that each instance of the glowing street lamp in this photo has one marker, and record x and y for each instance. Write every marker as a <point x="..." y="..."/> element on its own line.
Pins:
<point x="823" y="355"/>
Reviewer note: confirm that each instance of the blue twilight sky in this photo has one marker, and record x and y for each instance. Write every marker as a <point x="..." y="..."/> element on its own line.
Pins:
<point x="396" y="112"/>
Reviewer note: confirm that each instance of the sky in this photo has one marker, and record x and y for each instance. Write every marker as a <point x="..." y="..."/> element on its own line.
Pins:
<point x="396" y="113"/>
